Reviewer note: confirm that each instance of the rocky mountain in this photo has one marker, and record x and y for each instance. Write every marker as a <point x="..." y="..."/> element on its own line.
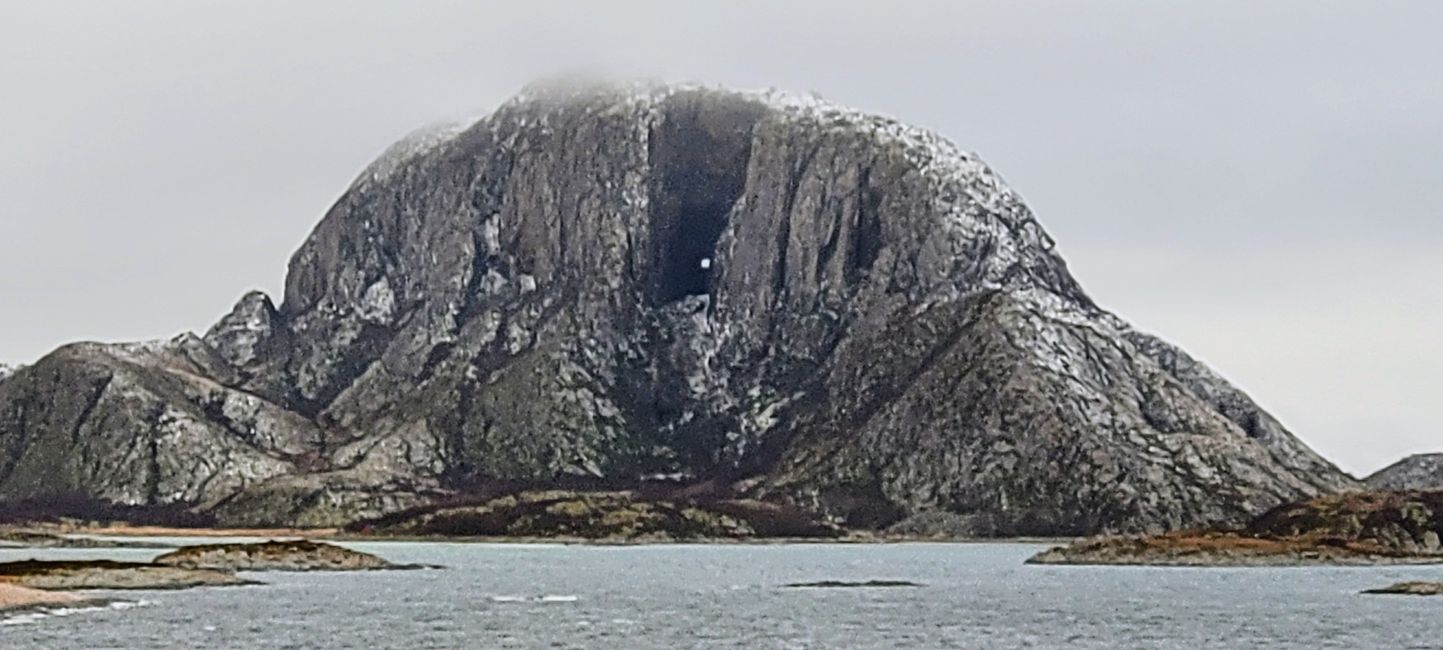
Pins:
<point x="755" y="295"/>
<point x="1416" y="472"/>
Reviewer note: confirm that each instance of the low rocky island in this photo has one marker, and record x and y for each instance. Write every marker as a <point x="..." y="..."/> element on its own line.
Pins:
<point x="846" y="584"/>
<point x="64" y="575"/>
<point x="299" y="555"/>
<point x="40" y="539"/>
<point x="611" y="516"/>
<point x="1417" y="588"/>
<point x="207" y="565"/>
<point x="1357" y="528"/>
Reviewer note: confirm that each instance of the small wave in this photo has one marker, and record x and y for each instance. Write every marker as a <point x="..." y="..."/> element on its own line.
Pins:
<point x="549" y="598"/>
<point x="42" y="613"/>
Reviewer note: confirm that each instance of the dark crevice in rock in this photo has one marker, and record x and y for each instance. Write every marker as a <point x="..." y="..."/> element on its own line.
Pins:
<point x="433" y="360"/>
<point x="90" y="405"/>
<point x="152" y="488"/>
<point x="699" y="155"/>
<point x="867" y="242"/>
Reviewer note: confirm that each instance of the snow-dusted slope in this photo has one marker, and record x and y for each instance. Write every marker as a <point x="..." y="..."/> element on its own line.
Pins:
<point x="1416" y="472"/>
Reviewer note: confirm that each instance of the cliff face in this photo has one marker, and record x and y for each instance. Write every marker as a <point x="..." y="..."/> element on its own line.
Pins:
<point x="1416" y="472"/>
<point x="771" y="295"/>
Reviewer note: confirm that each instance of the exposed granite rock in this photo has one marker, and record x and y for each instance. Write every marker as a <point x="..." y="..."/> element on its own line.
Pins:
<point x="106" y="574"/>
<point x="302" y="555"/>
<point x="1345" y="529"/>
<point x="1416" y="472"/>
<point x="770" y="293"/>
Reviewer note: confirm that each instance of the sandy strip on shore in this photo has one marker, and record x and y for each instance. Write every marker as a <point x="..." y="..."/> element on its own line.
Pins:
<point x="162" y="531"/>
<point x="17" y="597"/>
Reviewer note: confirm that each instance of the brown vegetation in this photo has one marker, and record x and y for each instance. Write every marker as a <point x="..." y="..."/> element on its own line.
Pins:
<point x="603" y="515"/>
<point x="15" y="597"/>
<point x="1349" y="528"/>
<point x="299" y="555"/>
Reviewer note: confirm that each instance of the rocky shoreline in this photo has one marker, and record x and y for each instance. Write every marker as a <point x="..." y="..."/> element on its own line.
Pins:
<point x="39" y="539"/>
<point x="64" y="575"/>
<point x="209" y="565"/>
<point x="1220" y="550"/>
<point x="1350" y="529"/>
<point x="16" y="599"/>
<point x="1416" y="588"/>
<point x="299" y="555"/>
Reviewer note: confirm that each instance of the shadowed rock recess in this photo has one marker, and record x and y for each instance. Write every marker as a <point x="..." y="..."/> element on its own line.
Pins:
<point x="755" y="294"/>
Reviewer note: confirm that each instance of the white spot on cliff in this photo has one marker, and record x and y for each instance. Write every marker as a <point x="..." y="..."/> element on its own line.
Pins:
<point x="378" y="305"/>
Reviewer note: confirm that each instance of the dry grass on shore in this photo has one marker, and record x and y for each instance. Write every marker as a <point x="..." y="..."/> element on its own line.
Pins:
<point x="16" y="597"/>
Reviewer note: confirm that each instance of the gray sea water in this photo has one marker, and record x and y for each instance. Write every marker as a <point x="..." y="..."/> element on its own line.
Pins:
<point x="732" y="596"/>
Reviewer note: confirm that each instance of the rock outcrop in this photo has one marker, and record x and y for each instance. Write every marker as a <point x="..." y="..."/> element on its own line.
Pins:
<point x="1416" y="588"/>
<point x="39" y="539"/>
<point x="1416" y="472"/>
<point x="1347" y="529"/>
<point x="794" y="301"/>
<point x="605" y="516"/>
<point x="299" y="555"/>
<point x="108" y="574"/>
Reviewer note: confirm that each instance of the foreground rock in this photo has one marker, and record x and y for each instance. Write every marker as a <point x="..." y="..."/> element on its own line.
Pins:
<point x="607" y="516"/>
<point x="15" y="598"/>
<point x="791" y="300"/>
<point x="106" y="574"/>
<point x="1410" y="589"/>
<point x="1416" y="472"/>
<point x="1349" y="529"/>
<point x="273" y="556"/>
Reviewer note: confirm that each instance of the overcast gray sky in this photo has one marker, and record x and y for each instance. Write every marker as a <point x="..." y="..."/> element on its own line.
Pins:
<point x="1258" y="181"/>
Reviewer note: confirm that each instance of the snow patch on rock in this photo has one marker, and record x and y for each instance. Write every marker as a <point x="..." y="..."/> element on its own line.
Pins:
<point x="378" y="305"/>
